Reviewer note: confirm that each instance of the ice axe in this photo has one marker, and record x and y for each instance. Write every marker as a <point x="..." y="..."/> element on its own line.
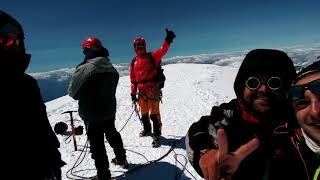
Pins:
<point x="73" y="130"/>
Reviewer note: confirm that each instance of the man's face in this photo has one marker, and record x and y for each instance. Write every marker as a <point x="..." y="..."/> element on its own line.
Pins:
<point x="140" y="49"/>
<point x="261" y="93"/>
<point x="12" y="55"/>
<point x="308" y="108"/>
<point x="9" y="44"/>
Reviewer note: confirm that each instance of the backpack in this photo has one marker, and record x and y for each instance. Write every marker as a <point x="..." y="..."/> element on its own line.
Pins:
<point x="160" y="77"/>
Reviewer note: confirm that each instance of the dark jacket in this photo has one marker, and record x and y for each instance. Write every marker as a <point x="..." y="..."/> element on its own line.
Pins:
<point x="276" y="157"/>
<point x="94" y="84"/>
<point x="311" y="160"/>
<point x="30" y="145"/>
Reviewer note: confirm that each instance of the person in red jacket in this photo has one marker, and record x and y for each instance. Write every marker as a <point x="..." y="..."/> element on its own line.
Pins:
<point x="143" y="71"/>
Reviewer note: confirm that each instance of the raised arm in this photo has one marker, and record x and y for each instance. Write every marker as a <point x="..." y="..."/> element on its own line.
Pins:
<point x="158" y="54"/>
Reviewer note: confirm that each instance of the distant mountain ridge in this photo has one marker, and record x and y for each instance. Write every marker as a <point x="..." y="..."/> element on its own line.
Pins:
<point x="54" y="84"/>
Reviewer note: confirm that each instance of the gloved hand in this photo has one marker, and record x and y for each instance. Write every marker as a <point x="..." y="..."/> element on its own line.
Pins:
<point x="134" y="98"/>
<point x="170" y="36"/>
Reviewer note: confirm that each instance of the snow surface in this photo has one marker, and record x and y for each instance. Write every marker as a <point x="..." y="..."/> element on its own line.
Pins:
<point x="189" y="93"/>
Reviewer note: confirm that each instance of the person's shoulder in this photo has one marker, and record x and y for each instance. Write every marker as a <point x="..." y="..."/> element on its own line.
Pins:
<point x="28" y="83"/>
<point x="218" y="110"/>
<point x="28" y="79"/>
<point x="230" y="105"/>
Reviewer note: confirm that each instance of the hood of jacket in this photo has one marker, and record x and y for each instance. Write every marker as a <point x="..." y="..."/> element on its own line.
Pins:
<point x="270" y="62"/>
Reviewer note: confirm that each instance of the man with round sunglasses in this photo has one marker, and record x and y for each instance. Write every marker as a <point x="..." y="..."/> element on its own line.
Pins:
<point x="248" y="137"/>
<point x="30" y="145"/>
<point x="305" y="97"/>
<point x="144" y="72"/>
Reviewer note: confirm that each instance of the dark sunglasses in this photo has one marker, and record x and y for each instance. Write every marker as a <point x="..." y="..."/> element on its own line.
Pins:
<point x="139" y="46"/>
<point x="254" y="83"/>
<point x="296" y="93"/>
<point x="9" y="40"/>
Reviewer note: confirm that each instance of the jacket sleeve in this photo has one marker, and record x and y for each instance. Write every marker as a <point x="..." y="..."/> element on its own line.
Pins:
<point x="53" y="159"/>
<point x="201" y="136"/>
<point x="133" y="79"/>
<point x="158" y="54"/>
<point x="41" y="115"/>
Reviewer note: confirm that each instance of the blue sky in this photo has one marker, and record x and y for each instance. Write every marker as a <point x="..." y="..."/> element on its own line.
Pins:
<point x="55" y="29"/>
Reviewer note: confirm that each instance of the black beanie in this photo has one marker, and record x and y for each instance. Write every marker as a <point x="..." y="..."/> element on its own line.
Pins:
<point x="312" y="68"/>
<point x="12" y="61"/>
<point x="9" y="25"/>
<point x="265" y="61"/>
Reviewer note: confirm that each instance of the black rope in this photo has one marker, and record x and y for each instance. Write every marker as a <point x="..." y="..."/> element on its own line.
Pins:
<point x="145" y="164"/>
<point x="67" y="140"/>
<point x="84" y="151"/>
<point x="126" y="121"/>
<point x="184" y="165"/>
<point x="76" y="164"/>
<point x="138" y="154"/>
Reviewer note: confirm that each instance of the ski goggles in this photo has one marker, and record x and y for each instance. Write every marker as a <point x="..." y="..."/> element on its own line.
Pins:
<point x="254" y="83"/>
<point x="139" y="46"/>
<point x="296" y="93"/>
<point x="9" y="40"/>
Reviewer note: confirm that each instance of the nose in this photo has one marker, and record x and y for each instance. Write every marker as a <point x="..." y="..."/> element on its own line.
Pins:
<point x="263" y="88"/>
<point x="315" y="107"/>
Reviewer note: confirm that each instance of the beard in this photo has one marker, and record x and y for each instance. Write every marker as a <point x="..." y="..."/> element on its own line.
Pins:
<point x="264" y="103"/>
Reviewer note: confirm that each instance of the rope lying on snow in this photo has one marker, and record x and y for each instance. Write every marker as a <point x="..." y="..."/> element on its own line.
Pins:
<point x="71" y="173"/>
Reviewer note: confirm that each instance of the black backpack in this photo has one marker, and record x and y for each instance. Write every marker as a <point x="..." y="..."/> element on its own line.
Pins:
<point x="160" y="77"/>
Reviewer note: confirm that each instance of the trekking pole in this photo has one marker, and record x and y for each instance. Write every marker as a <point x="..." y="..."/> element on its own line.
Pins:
<point x="73" y="130"/>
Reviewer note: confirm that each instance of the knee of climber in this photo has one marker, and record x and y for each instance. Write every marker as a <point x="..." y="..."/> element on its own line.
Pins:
<point x="153" y="117"/>
<point x="145" y="117"/>
<point x="145" y="120"/>
<point x="156" y="124"/>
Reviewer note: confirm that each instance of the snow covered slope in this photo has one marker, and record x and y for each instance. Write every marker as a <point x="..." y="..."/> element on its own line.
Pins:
<point x="190" y="92"/>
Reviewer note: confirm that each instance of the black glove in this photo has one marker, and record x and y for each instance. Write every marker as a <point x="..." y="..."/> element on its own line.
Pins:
<point x="134" y="98"/>
<point x="170" y="36"/>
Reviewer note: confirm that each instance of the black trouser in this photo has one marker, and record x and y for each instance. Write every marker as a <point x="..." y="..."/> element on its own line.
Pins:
<point x="96" y="132"/>
<point x="156" y="125"/>
<point x="146" y="123"/>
